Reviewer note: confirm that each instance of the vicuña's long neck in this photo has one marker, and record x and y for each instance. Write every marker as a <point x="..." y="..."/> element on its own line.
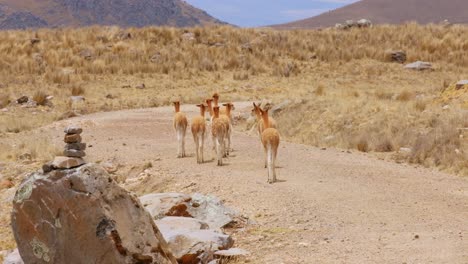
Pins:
<point x="228" y="111"/>
<point x="215" y="101"/>
<point x="210" y="108"/>
<point x="216" y="113"/>
<point x="202" y="111"/>
<point x="177" y="108"/>
<point x="266" y="123"/>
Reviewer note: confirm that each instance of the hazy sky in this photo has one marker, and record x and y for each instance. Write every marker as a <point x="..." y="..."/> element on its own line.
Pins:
<point x="249" y="13"/>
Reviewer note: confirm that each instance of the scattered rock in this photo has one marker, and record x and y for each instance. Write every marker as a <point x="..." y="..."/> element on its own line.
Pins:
<point x="405" y="150"/>
<point x="13" y="258"/>
<point x="87" y="54"/>
<point x="156" y="58"/>
<point x="84" y="216"/>
<point x="419" y="65"/>
<point x="446" y="107"/>
<point x="124" y="35"/>
<point x="364" y="23"/>
<point x="396" y="56"/>
<point x="279" y="107"/>
<point x="35" y="41"/>
<point x="6" y="184"/>
<point x="461" y="84"/>
<point x="247" y="47"/>
<point x="77" y="99"/>
<point x="25" y="156"/>
<point x="68" y="71"/>
<point x="66" y="162"/>
<point x="46" y="168"/>
<point x="22" y="100"/>
<point x="140" y="86"/>
<point x="188" y="36"/>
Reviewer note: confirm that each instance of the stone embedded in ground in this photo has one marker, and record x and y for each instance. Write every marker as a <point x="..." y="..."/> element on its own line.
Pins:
<point x="67" y="162"/>
<point x="22" y="100"/>
<point x="82" y="216"/>
<point x="76" y="146"/>
<point x="188" y="246"/>
<point x="396" y="56"/>
<point x="461" y="84"/>
<point x="74" y="153"/>
<point x="72" y="138"/>
<point x="419" y="65"/>
<point x="211" y="210"/>
<point x="73" y="130"/>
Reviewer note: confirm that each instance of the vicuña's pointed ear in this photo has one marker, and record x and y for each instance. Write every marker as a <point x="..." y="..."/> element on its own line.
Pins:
<point x="198" y="105"/>
<point x="225" y="104"/>
<point x="254" y="105"/>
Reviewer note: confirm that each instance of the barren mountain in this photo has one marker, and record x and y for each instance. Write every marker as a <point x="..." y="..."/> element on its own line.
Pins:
<point x="390" y="12"/>
<point x="20" y="14"/>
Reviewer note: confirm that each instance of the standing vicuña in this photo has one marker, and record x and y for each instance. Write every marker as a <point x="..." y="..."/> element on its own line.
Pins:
<point x="218" y="131"/>
<point x="260" y="126"/>
<point x="180" y="126"/>
<point x="198" y="132"/>
<point x="227" y="118"/>
<point x="270" y="140"/>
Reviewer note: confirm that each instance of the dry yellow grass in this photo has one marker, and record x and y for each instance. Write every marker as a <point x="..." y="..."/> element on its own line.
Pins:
<point x="351" y="96"/>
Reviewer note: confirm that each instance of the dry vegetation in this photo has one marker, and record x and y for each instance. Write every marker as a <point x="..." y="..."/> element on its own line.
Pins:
<point x="348" y="94"/>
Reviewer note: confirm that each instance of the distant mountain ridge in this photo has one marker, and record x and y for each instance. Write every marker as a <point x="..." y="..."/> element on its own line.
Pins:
<point x="21" y="14"/>
<point x="389" y="12"/>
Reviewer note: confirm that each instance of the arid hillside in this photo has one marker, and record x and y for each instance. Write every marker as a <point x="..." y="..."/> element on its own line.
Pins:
<point x="332" y="88"/>
<point x="20" y="14"/>
<point x="390" y="12"/>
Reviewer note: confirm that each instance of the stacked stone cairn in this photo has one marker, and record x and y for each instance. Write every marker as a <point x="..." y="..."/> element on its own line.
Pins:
<point x="73" y="153"/>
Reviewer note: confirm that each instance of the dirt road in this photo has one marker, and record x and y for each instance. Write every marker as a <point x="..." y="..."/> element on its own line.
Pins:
<point x="330" y="206"/>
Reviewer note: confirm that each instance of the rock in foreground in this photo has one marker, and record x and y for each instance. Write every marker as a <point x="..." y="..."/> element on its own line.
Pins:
<point x="82" y="216"/>
<point x="208" y="209"/>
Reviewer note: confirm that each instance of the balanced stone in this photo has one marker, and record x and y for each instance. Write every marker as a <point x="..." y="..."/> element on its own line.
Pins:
<point x="74" y="153"/>
<point x="72" y="138"/>
<point x="73" y="130"/>
<point x="75" y="146"/>
<point x="67" y="162"/>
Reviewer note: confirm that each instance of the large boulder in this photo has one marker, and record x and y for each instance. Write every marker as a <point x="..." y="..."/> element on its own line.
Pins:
<point x="82" y="216"/>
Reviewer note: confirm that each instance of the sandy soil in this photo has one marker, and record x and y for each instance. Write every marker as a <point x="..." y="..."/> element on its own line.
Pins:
<point x="330" y="206"/>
